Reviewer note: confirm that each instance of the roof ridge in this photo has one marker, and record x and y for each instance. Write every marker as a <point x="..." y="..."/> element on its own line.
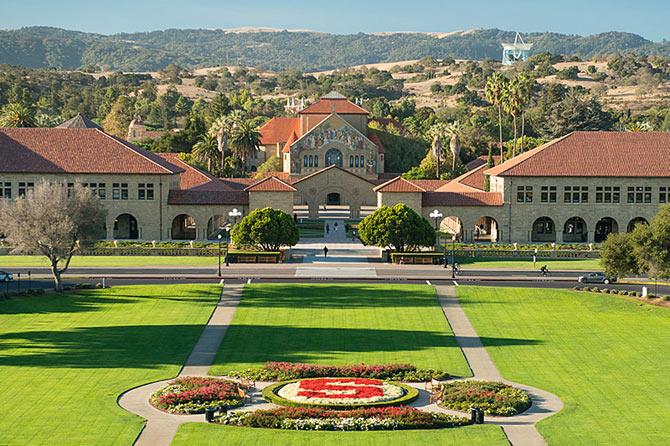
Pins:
<point x="266" y="179"/>
<point x="137" y="150"/>
<point x="526" y="156"/>
<point x="332" y="166"/>
<point x="201" y="172"/>
<point x="399" y="178"/>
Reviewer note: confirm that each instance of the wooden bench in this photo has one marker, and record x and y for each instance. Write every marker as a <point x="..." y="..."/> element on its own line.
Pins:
<point x="423" y="260"/>
<point x="267" y="259"/>
<point x="246" y="259"/>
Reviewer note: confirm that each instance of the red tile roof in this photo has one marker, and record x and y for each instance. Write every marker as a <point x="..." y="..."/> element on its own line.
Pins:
<point x="284" y="176"/>
<point x="429" y="185"/>
<point x="331" y="167"/>
<point x="270" y="184"/>
<point x="278" y="130"/>
<point x="75" y="150"/>
<point x="192" y="177"/>
<point x="594" y="154"/>
<point x="207" y="197"/>
<point x="474" y="198"/>
<point x="327" y="106"/>
<point x="291" y="139"/>
<point x="397" y="185"/>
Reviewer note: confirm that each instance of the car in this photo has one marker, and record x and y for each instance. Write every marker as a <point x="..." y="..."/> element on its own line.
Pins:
<point x="597" y="277"/>
<point x="6" y="277"/>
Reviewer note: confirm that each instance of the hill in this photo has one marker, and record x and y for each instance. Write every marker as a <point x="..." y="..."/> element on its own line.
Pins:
<point x="45" y="47"/>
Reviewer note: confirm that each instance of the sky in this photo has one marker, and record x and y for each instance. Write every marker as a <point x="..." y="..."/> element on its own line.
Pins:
<point x="647" y="18"/>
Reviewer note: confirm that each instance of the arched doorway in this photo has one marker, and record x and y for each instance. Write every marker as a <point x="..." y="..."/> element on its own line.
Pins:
<point x="183" y="228"/>
<point x="125" y="227"/>
<point x="605" y="227"/>
<point x="575" y="230"/>
<point x="636" y="221"/>
<point x="485" y="230"/>
<point x="333" y="157"/>
<point x="215" y="226"/>
<point x="543" y="230"/>
<point x="333" y="199"/>
<point x="452" y="225"/>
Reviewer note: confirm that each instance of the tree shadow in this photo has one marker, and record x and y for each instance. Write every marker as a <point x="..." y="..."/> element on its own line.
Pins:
<point x="245" y="344"/>
<point x="336" y="296"/>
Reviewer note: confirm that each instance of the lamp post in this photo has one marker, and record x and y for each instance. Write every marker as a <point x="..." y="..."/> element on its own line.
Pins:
<point x="234" y="214"/>
<point x="219" y="237"/>
<point x="436" y="215"/>
<point x="227" y="229"/>
<point x="453" y="257"/>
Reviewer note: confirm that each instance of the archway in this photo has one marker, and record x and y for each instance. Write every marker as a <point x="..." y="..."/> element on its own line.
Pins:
<point x="485" y="230"/>
<point x="125" y="227"/>
<point x="543" y="230"/>
<point x="183" y="228"/>
<point x="333" y="199"/>
<point x="636" y="221"/>
<point x="575" y="230"/>
<point x="452" y="225"/>
<point x="605" y="227"/>
<point x="215" y="226"/>
<point x="333" y="157"/>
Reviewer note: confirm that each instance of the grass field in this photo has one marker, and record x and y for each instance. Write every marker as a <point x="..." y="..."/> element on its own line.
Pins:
<point x="106" y="261"/>
<point x="64" y="359"/>
<point x="207" y="434"/>
<point x="552" y="264"/>
<point x="606" y="357"/>
<point x="340" y="324"/>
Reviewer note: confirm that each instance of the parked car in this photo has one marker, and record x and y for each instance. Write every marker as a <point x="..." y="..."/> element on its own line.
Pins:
<point x="598" y="277"/>
<point x="6" y="277"/>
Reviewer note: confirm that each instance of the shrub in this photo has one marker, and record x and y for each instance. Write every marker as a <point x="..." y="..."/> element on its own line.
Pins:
<point x="615" y="291"/>
<point x="283" y="371"/>
<point x="494" y="398"/>
<point x="605" y="291"/>
<point x="383" y="418"/>
<point x="194" y="394"/>
<point x="577" y="288"/>
<point x="666" y="298"/>
<point x="595" y="289"/>
<point x="623" y="292"/>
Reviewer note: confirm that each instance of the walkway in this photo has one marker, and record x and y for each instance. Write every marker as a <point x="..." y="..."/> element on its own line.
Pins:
<point x="161" y="427"/>
<point x="520" y="429"/>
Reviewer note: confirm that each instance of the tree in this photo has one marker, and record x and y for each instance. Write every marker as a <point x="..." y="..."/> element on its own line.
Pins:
<point x="118" y="119"/>
<point x="54" y="220"/>
<point x="268" y="229"/>
<point x="525" y="85"/>
<point x="617" y="255"/>
<point x="489" y="164"/>
<point x="651" y="244"/>
<point x="438" y="133"/>
<point x="16" y="114"/>
<point x="245" y="139"/>
<point x="454" y="132"/>
<point x="397" y="227"/>
<point x="512" y="103"/>
<point x="573" y="113"/>
<point x="206" y="150"/>
<point x="495" y="88"/>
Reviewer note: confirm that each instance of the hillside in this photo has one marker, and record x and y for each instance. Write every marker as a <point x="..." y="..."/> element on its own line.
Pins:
<point x="304" y="50"/>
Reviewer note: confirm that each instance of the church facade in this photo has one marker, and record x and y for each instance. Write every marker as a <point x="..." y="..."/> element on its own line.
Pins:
<point x="576" y="189"/>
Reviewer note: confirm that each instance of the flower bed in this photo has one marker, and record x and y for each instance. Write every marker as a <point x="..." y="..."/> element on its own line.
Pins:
<point x="381" y="418"/>
<point x="193" y="395"/>
<point x="283" y="371"/>
<point x="494" y="398"/>
<point x="340" y="393"/>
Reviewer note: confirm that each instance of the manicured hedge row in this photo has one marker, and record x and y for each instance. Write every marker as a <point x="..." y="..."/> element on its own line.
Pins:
<point x="282" y="371"/>
<point x="270" y="394"/>
<point x="620" y="292"/>
<point x="383" y="418"/>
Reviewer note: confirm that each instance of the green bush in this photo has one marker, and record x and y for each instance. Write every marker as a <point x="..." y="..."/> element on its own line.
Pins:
<point x="494" y="398"/>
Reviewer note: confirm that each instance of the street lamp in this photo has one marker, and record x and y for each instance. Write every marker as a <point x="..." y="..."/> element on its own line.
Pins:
<point x="234" y="214"/>
<point x="219" y="236"/>
<point x="227" y="229"/>
<point x="453" y="257"/>
<point x="436" y="215"/>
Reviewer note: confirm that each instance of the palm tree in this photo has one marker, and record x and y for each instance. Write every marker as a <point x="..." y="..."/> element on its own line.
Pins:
<point x="207" y="150"/>
<point x="221" y="129"/>
<point x="15" y="114"/>
<point x="495" y="87"/>
<point x="437" y="134"/>
<point x="512" y="105"/>
<point x="245" y="139"/>
<point x="526" y="93"/>
<point x="454" y="131"/>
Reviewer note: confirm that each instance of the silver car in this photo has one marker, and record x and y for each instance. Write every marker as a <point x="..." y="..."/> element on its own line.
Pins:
<point x="598" y="277"/>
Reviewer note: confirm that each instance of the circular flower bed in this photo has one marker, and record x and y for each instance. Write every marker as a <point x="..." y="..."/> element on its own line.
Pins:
<point x="494" y="398"/>
<point x="340" y="393"/>
<point x="190" y="395"/>
<point x="374" y="418"/>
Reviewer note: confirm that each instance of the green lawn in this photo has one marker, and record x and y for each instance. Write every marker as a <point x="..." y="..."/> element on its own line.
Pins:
<point x="105" y="261"/>
<point x="64" y="359"/>
<point x="207" y="434"/>
<point x="552" y="264"/>
<point x="606" y="357"/>
<point x="340" y="324"/>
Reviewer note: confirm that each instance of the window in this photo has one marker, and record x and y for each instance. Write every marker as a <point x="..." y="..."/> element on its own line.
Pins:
<point x="351" y="161"/>
<point x="524" y="194"/>
<point x="639" y="194"/>
<point x="145" y="191"/>
<point x="316" y="160"/>
<point x="664" y="194"/>
<point x="25" y="187"/>
<point x="5" y="189"/>
<point x="362" y="161"/>
<point x="97" y="189"/>
<point x="304" y="161"/>
<point x="608" y="194"/>
<point x="576" y="194"/>
<point x="119" y="191"/>
<point x="311" y="161"/>
<point x="548" y="194"/>
<point x="356" y="161"/>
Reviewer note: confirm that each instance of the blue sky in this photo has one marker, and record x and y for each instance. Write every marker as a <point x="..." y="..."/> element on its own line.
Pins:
<point x="645" y="17"/>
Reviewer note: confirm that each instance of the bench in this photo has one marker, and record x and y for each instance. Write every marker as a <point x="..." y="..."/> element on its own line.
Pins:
<point x="246" y="259"/>
<point x="267" y="259"/>
<point x="423" y="260"/>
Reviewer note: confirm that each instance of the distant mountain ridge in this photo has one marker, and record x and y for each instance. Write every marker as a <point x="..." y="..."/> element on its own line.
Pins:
<point x="43" y="47"/>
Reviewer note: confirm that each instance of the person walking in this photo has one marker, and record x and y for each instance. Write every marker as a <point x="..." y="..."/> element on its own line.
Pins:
<point x="327" y="228"/>
<point x="325" y="251"/>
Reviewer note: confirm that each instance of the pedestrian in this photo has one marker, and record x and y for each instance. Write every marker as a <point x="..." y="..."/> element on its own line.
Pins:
<point x="534" y="260"/>
<point x="456" y="268"/>
<point x="327" y="228"/>
<point x="325" y="251"/>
